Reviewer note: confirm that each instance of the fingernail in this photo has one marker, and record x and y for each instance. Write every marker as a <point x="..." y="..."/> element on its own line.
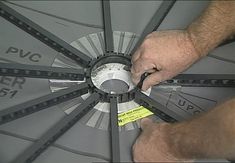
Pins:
<point x="135" y="81"/>
<point x="145" y="122"/>
<point x="144" y="88"/>
<point x="132" y="70"/>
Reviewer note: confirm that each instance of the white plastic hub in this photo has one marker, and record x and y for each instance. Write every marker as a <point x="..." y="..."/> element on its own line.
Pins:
<point x="112" y="78"/>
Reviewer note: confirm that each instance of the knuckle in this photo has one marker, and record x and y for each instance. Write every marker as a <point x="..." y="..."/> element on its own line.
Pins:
<point x="144" y="56"/>
<point x="150" y="35"/>
<point x="147" y="42"/>
<point x="136" y="160"/>
<point x="136" y="53"/>
<point x="147" y="55"/>
<point x="132" y="70"/>
<point x="145" y="67"/>
<point x="134" y="149"/>
<point x="135" y="157"/>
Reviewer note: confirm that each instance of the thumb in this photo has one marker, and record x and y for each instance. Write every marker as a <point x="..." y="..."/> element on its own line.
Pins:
<point x="145" y="123"/>
<point x="153" y="79"/>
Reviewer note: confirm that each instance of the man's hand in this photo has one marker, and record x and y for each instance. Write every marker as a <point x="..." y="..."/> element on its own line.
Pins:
<point x="153" y="144"/>
<point x="208" y="135"/>
<point x="164" y="54"/>
<point x="167" y="53"/>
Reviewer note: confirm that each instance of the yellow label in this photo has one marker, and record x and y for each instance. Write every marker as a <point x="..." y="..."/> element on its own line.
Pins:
<point x="133" y="115"/>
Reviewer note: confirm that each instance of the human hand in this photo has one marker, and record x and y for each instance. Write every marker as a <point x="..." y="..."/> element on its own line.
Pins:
<point x="164" y="54"/>
<point x="153" y="144"/>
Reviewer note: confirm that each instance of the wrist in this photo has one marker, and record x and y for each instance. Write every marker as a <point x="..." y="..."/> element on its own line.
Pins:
<point x="172" y="138"/>
<point x="192" y="39"/>
<point x="181" y="141"/>
<point x="191" y="45"/>
<point x="214" y="26"/>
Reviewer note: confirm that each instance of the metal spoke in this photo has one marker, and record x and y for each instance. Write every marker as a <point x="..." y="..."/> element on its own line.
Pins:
<point x="41" y="103"/>
<point x="46" y="72"/>
<point x="108" y="32"/>
<point x="157" y="108"/>
<point x="43" y="35"/>
<point x="155" y="22"/>
<point x="115" y="145"/>
<point x="202" y="80"/>
<point x="206" y="76"/>
<point x="57" y="130"/>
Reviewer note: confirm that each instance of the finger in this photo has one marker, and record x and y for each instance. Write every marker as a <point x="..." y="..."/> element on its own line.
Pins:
<point x="136" y="55"/>
<point x="148" y="71"/>
<point x="135" y="78"/>
<point x="140" y="67"/>
<point x="145" y="123"/>
<point x="151" y="80"/>
<point x="152" y="71"/>
<point x="134" y="152"/>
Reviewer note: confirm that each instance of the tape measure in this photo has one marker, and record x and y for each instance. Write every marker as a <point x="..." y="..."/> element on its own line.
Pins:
<point x="133" y="115"/>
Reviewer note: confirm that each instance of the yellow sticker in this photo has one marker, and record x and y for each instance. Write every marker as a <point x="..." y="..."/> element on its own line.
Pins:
<point x="133" y="115"/>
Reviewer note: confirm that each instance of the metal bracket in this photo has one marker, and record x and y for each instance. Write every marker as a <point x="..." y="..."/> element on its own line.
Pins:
<point x="202" y="80"/>
<point x="40" y="103"/>
<point x="44" y="72"/>
<point x="115" y="148"/>
<point x="108" y="32"/>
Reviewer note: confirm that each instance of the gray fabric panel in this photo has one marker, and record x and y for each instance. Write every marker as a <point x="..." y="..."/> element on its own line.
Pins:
<point x="132" y="16"/>
<point x="63" y="29"/>
<point x="55" y="155"/>
<point x="36" y="124"/>
<point x="19" y="46"/>
<point x="182" y="14"/>
<point x="11" y="147"/>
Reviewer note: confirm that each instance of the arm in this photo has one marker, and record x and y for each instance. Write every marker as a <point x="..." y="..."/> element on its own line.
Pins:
<point x="215" y="25"/>
<point x="210" y="135"/>
<point x="167" y="53"/>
